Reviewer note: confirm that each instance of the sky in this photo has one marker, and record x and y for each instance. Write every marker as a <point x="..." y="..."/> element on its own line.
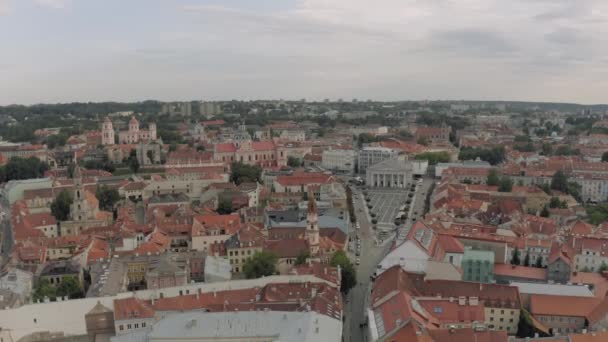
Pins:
<point x="131" y="50"/>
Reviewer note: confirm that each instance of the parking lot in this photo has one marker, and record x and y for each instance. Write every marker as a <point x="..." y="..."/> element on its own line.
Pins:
<point x="386" y="204"/>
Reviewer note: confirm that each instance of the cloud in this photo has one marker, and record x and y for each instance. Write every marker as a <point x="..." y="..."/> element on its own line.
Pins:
<point x="396" y="49"/>
<point x="57" y="4"/>
<point x="6" y="7"/>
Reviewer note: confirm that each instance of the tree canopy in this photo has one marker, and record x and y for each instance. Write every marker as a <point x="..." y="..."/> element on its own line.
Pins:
<point x="348" y="271"/>
<point x="60" y="207"/>
<point x="294" y="161"/>
<point x="107" y="197"/>
<point x="22" y="168"/>
<point x="241" y="173"/>
<point x="433" y="157"/>
<point x="494" y="156"/>
<point x="68" y="286"/>
<point x="505" y="184"/>
<point x="262" y="264"/>
<point x="493" y="179"/>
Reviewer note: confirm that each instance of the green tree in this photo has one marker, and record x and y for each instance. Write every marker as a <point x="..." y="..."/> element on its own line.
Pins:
<point x="545" y="212"/>
<point x="302" y="257"/>
<point x="547" y="149"/>
<point x="262" y="264"/>
<point x="294" y="161"/>
<point x="22" y="168"/>
<point x="515" y="258"/>
<point x="434" y="157"/>
<point x="348" y="272"/>
<point x="224" y="206"/>
<point x="69" y="286"/>
<point x="554" y="202"/>
<point x="44" y="289"/>
<point x="527" y="260"/>
<point x="603" y="268"/>
<point x="493" y="178"/>
<point x="605" y="157"/>
<point x="559" y="181"/>
<point x="241" y="173"/>
<point x="132" y="161"/>
<point x="107" y="197"/>
<point x="422" y="141"/>
<point x="60" y="207"/>
<point x="505" y="185"/>
<point x="539" y="262"/>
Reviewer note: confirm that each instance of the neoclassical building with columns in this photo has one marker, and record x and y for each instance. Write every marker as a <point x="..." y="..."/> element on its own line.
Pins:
<point x="392" y="173"/>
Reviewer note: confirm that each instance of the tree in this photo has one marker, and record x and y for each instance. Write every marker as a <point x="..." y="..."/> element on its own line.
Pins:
<point x="60" y="207"/>
<point x="493" y="178"/>
<point x="347" y="270"/>
<point x="545" y="212"/>
<point x="515" y="258"/>
<point x="107" y="197"/>
<point x="434" y="157"/>
<point x="22" y="168"/>
<point x="241" y="173"/>
<point x="294" y="161"/>
<point x="132" y="161"/>
<point x="554" y="202"/>
<point x="603" y="268"/>
<point x="605" y="157"/>
<point x="547" y="149"/>
<point x="494" y="155"/>
<point x="262" y="264"/>
<point x="422" y="141"/>
<point x="224" y="206"/>
<point x="505" y="185"/>
<point x="302" y="257"/>
<point x="527" y="260"/>
<point x="69" y="286"/>
<point x="44" y="289"/>
<point x="559" y="181"/>
<point x="539" y="262"/>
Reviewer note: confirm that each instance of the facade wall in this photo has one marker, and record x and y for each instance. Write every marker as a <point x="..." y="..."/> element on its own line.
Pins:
<point x="502" y="319"/>
<point x="562" y="325"/>
<point x="558" y="271"/>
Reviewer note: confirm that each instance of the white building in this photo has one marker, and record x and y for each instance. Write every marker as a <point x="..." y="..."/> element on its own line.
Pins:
<point x="240" y="326"/>
<point x="342" y="161"/>
<point x="369" y="156"/>
<point x="392" y="173"/>
<point x="217" y="269"/>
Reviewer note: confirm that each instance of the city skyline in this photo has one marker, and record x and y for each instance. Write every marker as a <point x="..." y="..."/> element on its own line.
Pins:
<point x="536" y="50"/>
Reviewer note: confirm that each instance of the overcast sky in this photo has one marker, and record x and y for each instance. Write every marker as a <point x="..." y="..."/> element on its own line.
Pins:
<point x="126" y="50"/>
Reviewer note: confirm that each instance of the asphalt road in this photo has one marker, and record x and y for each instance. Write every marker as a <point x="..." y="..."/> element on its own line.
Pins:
<point x="371" y="254"/>
<point x="7" y="233"/>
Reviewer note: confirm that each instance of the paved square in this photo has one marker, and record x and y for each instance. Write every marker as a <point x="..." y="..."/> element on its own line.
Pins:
<point x="386" y="204"/>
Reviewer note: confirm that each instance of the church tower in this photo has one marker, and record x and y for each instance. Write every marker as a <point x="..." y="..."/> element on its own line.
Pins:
<point x="79" y="209"/>
<point x="107" y="132"/>
<point x="312" y="226"/>
<point x="152" y="131"/>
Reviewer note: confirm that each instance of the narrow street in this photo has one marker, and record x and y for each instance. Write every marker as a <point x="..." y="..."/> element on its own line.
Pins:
<point x="371" y="254"/>
<point x="7" y="233"/>
<point x="355" y="325"/>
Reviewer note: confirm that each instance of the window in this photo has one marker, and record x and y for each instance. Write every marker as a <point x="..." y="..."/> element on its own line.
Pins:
<point x="136" y="325"/>
<point x="143" y="324"/>
<point x="121" y="327"/>
<point x="128" y="326"/>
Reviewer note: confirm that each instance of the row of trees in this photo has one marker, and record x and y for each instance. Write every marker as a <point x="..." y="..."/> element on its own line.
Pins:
<point x="22" y="168"/>
<point x="494" y="155"/>
<point x="433" y="157"/>
<point x="69" y="286"/>
<point x="243" y="173"/>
